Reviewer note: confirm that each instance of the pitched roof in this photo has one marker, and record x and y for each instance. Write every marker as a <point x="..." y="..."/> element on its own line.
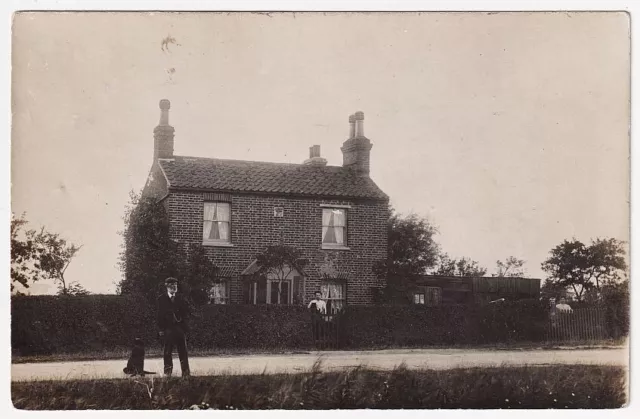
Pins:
<point x="264" y="177"/>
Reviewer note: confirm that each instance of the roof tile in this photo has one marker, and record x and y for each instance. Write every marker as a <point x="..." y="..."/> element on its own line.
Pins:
<point x="283" y="178"/>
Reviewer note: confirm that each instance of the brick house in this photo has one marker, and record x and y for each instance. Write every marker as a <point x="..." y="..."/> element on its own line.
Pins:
<point x="336" y="215"/>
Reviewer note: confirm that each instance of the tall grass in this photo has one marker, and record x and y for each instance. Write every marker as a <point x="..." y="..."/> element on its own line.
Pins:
<point x="575" y="387"/>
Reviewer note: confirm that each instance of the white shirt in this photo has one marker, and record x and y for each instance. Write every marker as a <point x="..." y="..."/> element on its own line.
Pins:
<point x="563" y="307"/>
<point x="171" y="295"/>
<point x="321" y="306"/>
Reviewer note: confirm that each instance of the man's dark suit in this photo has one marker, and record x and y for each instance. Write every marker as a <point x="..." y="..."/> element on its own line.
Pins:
<point x="173" y="320"/>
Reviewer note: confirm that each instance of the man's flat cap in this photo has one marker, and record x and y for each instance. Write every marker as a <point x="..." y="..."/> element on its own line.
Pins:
<point x="170" y="280"/>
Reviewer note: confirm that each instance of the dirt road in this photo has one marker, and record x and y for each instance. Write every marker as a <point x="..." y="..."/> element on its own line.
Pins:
<point x="386" y="359"/>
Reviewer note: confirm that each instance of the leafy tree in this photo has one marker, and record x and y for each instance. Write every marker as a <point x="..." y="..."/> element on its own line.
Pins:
<point x="616" y="297"/>
<point x="512" y="267"/>
<point x="24" y="253"/>
<point x="572" y="264"/>
<point x="55" y="256"/>
<point x="149" y="256"/>
<point x="459" y="267"/>
<point x="279" y="261"/>
<point x="40" y="255"/>
<point x="200" y="274"/>
<point x="411" y="251"/>
<point x="550" y="289"/>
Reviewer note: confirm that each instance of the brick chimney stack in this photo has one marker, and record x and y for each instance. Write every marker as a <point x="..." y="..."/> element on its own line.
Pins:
<point x="163" y="134"/>
<point x="356" y="151"/>
<point x="314" y="157"/>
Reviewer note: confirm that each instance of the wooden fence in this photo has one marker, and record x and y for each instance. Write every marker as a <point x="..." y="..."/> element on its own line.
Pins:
<point x="584" y="324"/>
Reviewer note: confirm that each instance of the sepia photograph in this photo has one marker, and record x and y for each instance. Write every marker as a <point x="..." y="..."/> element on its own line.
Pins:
<point x="320" y="210"/>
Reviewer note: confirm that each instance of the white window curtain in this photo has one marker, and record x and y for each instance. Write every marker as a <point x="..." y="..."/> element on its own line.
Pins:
<point x="328" y="234"/>
<point x="216" y="221"/>
<point x="324" y="290"/>
<point x="218" y="293"/>
<point x="333" y="226"/>
<point x="336" y="293"/>
<point x="339" y="223"/>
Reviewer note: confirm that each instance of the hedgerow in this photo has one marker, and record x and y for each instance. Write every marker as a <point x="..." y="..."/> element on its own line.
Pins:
<point x="44" y="325"/>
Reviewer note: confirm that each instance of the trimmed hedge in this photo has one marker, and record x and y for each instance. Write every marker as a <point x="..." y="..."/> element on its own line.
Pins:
<point x="69" y="324"/>
<point x="414" y="325"/>
<point x="59" y="324"/>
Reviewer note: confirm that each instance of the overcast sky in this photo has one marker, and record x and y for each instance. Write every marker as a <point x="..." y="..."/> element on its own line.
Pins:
<point x="507" y="131"/>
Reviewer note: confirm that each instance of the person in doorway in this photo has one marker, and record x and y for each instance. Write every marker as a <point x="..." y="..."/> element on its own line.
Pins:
<point x="173" y="323"/>
<point x="563" y="307"/>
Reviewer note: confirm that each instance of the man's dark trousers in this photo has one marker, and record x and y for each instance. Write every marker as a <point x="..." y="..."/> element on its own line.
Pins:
<point x="174" y="336"/>
<point x="173" y="321"/>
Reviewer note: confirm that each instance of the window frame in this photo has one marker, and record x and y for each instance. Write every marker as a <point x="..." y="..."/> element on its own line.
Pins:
<point x="270" y="286"/>
<point x="227" y="291"/>
<point x="253" y="297"/>
<point x="345" y="228"/>
<point x="329" y="300"/>
<point x="216" y="242"/>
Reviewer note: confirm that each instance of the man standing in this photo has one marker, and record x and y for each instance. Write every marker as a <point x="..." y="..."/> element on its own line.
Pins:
<point x="173" y="322"/>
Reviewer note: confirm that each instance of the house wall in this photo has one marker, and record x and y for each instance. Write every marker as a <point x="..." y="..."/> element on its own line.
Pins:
<point x="253" y="227"/>
<point x="156" y="186"/>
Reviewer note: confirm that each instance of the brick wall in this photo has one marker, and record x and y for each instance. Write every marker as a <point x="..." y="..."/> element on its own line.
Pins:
<point x="253" y="227"/>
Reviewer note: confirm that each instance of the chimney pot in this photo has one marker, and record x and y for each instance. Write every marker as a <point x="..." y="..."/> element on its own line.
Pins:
<point x="165" y="105"/>
<point x="314" y="151"/>
<point x="352" y="126"/>
<point x="359" y="117"/>
<point x="314" y="157"/>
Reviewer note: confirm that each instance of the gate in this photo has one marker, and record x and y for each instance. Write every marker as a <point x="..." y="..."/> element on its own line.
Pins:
<point x="326" y="329"/>
<point x="584" y="324"/>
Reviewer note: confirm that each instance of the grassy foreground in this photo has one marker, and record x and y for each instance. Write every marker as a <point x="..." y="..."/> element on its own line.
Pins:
<point x="574" y="387"/>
